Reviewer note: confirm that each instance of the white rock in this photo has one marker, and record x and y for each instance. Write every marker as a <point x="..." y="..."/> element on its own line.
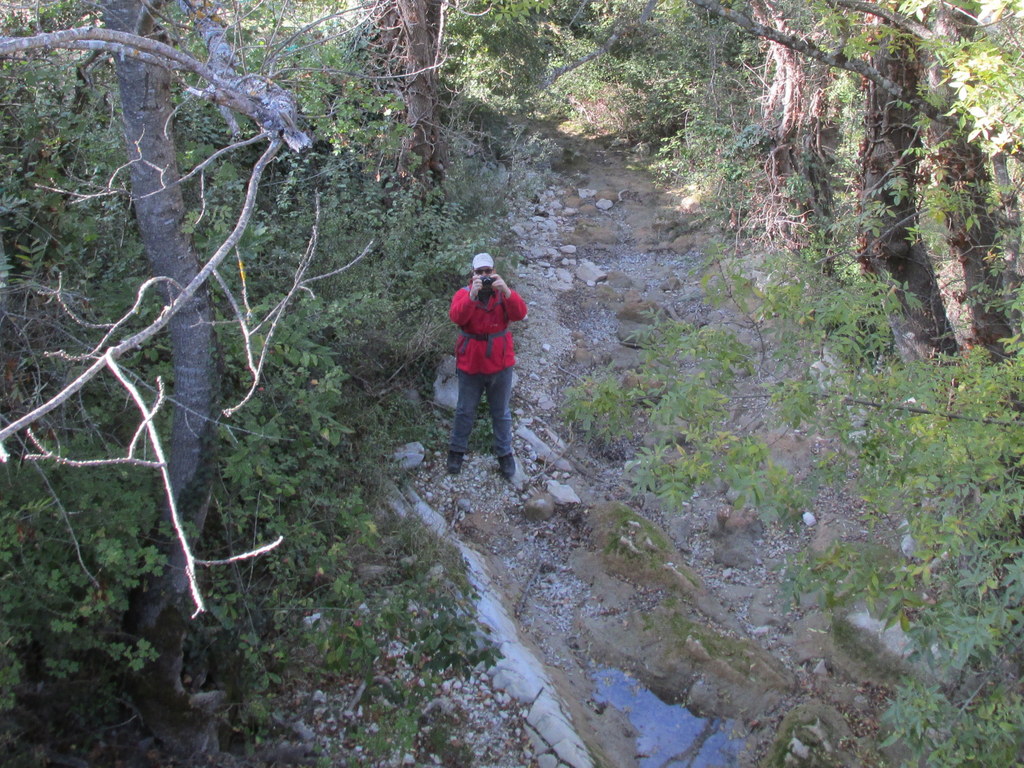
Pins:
<point x="543" y="451"/>
<point x="908" y="545"/>
<point x="590" y="273"/>
<point x="604" y="204"/>
<point x="568" y="250"/>
<point x="799" y="749"/>
<point x="585" y="192"/>
<point x="571" y="752"/>
<point x="809" y="519"/>
<point x="446" y="385"/>
<point x="562" y="494"/>
<point x="410" y="455"/>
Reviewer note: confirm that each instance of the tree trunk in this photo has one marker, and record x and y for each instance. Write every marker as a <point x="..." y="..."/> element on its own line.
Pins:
<point x="412" y="31"/>
<point x="889" y="168"/>
<point x="801" y="152"/>
<point x="159" y="608"/>
<point x="964" y="173"/>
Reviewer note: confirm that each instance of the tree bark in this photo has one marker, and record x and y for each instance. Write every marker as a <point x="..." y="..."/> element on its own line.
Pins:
<point x="889" y="170"/>
<point x="412" y="33"/>
<point x="963" y="169"/>
<point x="794" y="115"/>
<point x="159" y="608"/>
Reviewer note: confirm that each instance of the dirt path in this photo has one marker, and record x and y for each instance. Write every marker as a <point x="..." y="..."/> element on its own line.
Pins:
<point x="589" y="617"/>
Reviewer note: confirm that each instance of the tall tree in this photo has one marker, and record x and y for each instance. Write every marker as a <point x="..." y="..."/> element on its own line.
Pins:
<point x="965" y="174"/>
<point x="964" y="170"/>
<point x="159" y="607"/>
<point x="794" y="113"/>
<point x="891" y="246"/>
<point x="411" y="34"/>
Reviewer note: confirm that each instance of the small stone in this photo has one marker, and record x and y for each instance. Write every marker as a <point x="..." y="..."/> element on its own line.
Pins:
<point x="604" y="204"/>
<point x="539" y="508"/>
<point x="799" y="749"/>
<point x="410" y="456"/>
<point x="562" y="495"/>
<point x="809" y="519"/>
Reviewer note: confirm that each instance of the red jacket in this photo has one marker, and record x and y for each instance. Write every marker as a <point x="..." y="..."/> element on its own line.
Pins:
<point x="485" y="345"/>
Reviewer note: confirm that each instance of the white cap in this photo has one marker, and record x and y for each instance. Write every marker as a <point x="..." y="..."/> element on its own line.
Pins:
<point x="483" y="260"/>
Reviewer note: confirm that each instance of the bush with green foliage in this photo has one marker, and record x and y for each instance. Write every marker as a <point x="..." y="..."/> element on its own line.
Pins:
<point x="302" y="459"/>
<point x="933" y="447"/>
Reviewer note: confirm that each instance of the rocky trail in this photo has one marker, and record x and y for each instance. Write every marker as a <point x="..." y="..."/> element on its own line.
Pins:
<point x="634" y="634"/>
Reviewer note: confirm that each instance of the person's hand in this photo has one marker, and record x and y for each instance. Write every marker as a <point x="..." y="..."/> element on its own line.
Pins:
<point x="474" y="289"/>
<point x="500" y="286"/>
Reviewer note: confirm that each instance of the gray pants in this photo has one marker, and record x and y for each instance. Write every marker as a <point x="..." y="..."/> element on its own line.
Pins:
<point x="498" y="388"/>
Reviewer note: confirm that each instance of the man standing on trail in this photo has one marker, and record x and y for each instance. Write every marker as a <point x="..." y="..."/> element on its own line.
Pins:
<point x="484" y="357"/>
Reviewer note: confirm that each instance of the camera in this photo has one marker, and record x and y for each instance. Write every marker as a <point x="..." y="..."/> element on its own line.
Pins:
<point x="485" y="282"/>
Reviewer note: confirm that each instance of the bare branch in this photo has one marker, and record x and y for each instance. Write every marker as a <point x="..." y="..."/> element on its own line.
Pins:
<point x="158" y="449"/>
<point x="338" y="271"/>
<point x="273" y="316"/>
<point x="617" y="33"/>
<point x="895" y="19"/>
<point x="270" y="106"/>
<point x="245" y="555"/>
<point x="138" y="339"/>
<point x="45" y="454"/>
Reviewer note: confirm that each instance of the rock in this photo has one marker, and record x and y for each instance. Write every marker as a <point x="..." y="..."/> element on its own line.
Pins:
<point x="671" y="284"/>
<point x="621" y="282"/>
<point x="811" y="735"/>
<point x="604" y="204"/>
<point x="568" y="250"/>
<point x="545" y="403"/>
<point x="590" y="273"/>
<point x="811" y="639"/>
<point x="669" y="650"/>
<point x="446" y="384"/>
<point x="590" y="233"/>
<point x="632" y="334"/>
<point x="562" y="495"/>
<point x="586" y="192"/>
<point x="410" y="455"/>
<point x="639" y="311"/>
<point x="682" y="244"/>
<point x="539" y="508"/>
<point x="544" y="451"/>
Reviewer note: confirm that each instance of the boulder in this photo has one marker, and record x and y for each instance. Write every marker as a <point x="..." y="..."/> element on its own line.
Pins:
<point x="410" y="455"/>
<point x="539" y="508"/>
<point x="562" y="495"/>
<point x="590" y="273"/>
<point x="446" y="384"/>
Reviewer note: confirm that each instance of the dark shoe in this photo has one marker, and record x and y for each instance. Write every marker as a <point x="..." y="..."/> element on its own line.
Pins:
<point x="507" y="465"/>
<point x="454" y="462"/>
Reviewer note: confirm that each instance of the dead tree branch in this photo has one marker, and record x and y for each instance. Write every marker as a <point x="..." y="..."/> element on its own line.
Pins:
<point x="136" y="340"/>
